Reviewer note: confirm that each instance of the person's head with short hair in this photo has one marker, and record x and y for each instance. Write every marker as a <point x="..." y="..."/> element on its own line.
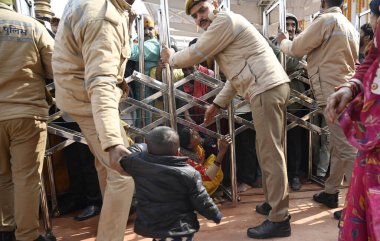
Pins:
<point x="366" y="34"/>
<point x="54" y="24"/>
<point x="162" y="141"/>
<point x="189" y="138"/>
<point x="291" y="25"/>
<point x="326" y="4"/>
<point x="374" y="6"/>
<point x="199" y="10"/>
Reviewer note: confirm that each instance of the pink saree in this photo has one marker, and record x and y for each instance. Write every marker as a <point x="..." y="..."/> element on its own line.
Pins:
<point x="361" y="124"/>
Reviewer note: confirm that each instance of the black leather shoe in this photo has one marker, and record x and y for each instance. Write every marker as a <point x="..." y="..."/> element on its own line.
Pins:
<point x="295" y="184"/>
<point x="7" y="236"/>
<point x="338" y="214"/>
<point x="330" y="200"/>
<point x="69" y="206"/>
<point x="270" y="229"/>
<point x="88" y="212"/>
<point x="263" y="209"/>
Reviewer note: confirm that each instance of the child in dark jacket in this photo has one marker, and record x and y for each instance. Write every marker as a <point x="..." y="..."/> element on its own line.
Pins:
<point x="168" y="190"/>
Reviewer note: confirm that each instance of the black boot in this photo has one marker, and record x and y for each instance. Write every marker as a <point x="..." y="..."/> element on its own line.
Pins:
<point x="7" y="236"/>
<point x="330" y="200"/>
<point x="270" y="229"/>
<point x="263" y="209"/>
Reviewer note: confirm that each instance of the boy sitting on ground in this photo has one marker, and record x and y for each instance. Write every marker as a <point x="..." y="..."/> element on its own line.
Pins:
<point x="168" y="190"/>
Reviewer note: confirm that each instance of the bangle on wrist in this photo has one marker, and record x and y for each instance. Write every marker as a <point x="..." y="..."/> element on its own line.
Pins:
<point x="354" y="87"/>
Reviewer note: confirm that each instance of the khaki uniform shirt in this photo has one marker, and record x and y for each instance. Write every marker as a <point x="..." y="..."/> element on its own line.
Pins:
<point x="331" y="44"/>
<point x="242" y="53"/>
<point x="92" y="46"/>
<point x="25" y="63"/>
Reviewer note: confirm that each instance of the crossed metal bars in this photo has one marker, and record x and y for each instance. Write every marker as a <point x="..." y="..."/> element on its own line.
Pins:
<point x="192" y="101"/>
<point x="216" y="85"/>
<point x="164" y="90"/>
<point x="306" y="121"/>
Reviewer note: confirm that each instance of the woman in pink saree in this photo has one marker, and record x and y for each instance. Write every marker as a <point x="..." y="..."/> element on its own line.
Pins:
<point x="358" y="104"/>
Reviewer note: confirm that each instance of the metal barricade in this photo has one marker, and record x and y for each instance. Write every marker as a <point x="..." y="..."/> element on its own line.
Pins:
<point x="140" y="31"/>
<point x="306" y="121"/>
<point x="191" y="101"/>
<point x="359" y="18"/>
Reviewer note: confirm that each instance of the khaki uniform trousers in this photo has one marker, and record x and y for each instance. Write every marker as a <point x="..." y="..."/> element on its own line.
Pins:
<point x="22" y="149"/>
<point x="342" y="157"/>
<point x="117" y="190"/>
<point x="269" y="119"/>
<point x="342" y="154"/>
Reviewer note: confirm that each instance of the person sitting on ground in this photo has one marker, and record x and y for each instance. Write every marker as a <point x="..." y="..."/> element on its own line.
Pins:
<point x="206" y="163"/>
<point x="168" y="190"/>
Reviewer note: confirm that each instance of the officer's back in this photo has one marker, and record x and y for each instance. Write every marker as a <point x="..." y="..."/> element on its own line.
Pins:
<point x="26" y="49"/>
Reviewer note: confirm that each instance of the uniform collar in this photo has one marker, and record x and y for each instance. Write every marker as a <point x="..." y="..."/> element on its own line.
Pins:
<point x="5" y="6"/>
<point x="121" y="5"/>
<point x="333" y="10"/>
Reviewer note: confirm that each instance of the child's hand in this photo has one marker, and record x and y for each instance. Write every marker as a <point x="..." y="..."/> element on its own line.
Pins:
<point x="161" y="64"/>
<point x="224" y="143"/>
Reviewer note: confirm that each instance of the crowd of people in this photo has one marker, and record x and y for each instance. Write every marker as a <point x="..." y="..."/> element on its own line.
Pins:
<point x="89" y="52"/>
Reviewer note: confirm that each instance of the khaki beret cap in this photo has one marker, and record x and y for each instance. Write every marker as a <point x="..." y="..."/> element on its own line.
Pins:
<point x="8" y="2"/>
<point x="190" y="3"/>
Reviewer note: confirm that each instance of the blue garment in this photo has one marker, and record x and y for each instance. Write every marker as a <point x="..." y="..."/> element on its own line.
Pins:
<point x="151" y="54"/>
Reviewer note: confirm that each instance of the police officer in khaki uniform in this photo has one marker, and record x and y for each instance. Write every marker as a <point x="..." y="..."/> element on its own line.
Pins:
<point x="332" y="47"/>
<point x="26" y="49"/>
<point x="92" y="47"/>
<point x="253" y="72"/>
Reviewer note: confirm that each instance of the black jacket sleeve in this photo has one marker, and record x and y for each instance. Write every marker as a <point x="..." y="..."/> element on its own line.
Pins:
<point x="127" y="162"/>
<point x="202" y="201"/>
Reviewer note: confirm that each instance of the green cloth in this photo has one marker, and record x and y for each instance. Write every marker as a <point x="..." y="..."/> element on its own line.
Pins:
<point x="151" y="54"/>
